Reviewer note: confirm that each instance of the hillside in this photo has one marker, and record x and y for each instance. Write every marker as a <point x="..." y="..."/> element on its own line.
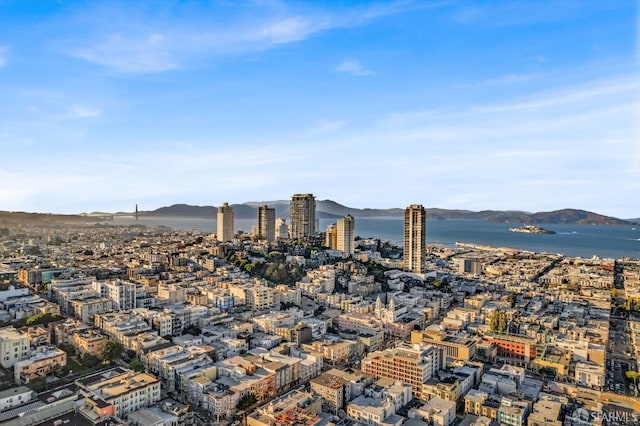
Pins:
<point x="331" y="209"/>
<point x="579" y="217"/>
<point x="24" y="218"/>
<point x="328" y="209"/>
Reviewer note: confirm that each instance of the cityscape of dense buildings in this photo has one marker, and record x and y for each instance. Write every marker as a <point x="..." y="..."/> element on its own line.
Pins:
<point x="132" y="325"/>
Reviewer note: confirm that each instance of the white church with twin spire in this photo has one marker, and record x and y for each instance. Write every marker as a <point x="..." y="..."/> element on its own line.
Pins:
<point x="390" y="313"/>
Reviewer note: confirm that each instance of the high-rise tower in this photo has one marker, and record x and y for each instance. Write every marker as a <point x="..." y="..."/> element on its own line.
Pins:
<point x="282" y="229"/>
<point x="345" y="234"/>
<point x="303" y="215"/>
<point x="267" y="223"/>
<point x="415" y="220"/>
<point x="225" y="222"/>
<point x="331" y="237"/>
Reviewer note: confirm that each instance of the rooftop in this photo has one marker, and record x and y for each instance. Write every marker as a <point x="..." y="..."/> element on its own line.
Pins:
<point x="20" y="390"/>
<point x="330" y="381"/>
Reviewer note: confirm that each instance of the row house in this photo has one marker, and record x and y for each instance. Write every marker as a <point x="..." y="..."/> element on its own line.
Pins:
<point x="380" y="403"/>
<point x="293" y="408"/>
<point x="63" y="331"/>
<point x="220" y="401"/>
<point x="338" y="353"/>
<point x="87" y="308"/>
<point x="122" y="326"/>
<point x="89" y="342"/>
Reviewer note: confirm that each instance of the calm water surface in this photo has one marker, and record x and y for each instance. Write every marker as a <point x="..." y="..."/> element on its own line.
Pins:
<point x="571" y="240"/>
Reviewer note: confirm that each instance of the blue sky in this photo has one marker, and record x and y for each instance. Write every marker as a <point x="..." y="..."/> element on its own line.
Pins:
<point x="527" y="105"/>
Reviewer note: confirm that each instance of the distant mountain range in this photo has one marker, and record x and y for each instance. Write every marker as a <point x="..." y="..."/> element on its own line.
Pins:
<point x="328" y="209"/>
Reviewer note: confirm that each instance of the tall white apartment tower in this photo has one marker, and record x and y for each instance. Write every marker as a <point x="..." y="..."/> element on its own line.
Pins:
<point x="415" y="221"/>
<point x="267" y="223"/>
<point x="282" y="229"/>
<point x="225" y="223"/>
<point x="303" y="215"/>
<point x="345" y="234"/>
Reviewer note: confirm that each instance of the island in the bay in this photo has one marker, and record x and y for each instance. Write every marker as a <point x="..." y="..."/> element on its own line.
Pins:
<point x="531" y="229"/>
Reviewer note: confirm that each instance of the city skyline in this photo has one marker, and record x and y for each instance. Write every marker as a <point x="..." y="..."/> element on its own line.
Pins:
<point x="530" y="106"/>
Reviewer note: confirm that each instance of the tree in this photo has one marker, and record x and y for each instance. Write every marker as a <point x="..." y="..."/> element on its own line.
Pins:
<point x="112" y="351"/>
<point x="498" y="322"/>
<point x="512" y="299"/>
<point x="247" y="401"/>
<point x="502" y="322"/>
<point x="89" y="360"/>
<point x="62" y="371"/>
<point x="69" y="349"/>
<point x="43" y="318"/>
<point x="633" y="375"/>
<point x="38" y="385"/>
<point x="493" y="321"/>
<point x="136" y="366"/>
<point x="286" y="305"/>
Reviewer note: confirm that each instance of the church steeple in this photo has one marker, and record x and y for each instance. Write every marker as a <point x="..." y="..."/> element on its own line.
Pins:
<point x="378" y="307"/>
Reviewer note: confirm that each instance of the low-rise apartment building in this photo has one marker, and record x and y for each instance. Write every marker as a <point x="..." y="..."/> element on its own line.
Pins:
<point x="87" y="309"/>
<point x="126" y="390"/>
<point x="14" y="346"/>
<point x="409" y="364"/>
<point x="44" y="361"/>
<point x="15" y="397"/>
<point x="89" y="342"/>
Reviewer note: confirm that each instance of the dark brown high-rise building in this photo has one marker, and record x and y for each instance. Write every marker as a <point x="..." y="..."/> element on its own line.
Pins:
<point x="415" y="226"/>
<point x="303" y="215"/>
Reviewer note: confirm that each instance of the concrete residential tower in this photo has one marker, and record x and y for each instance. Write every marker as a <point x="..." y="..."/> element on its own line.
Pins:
<point x="415" y="220"/>
<point x="225" y="223"/>
<point x="267" y="223"/>
<point x="345" y="234"/>
<point x="303" y="215"/>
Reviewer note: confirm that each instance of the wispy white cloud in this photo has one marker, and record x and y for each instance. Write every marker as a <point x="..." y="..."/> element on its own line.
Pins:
<point x="83" y="111"/>
<point x="549" y="155"/>
<point x="570" y="95"/>
<point x="328" y="126"/>
<point x="162" y="44"/>
<point x="565" y="143"/>
<point x="131" y="54"/>
<point x="510" y="79"/>
<point x="352" y="67"/>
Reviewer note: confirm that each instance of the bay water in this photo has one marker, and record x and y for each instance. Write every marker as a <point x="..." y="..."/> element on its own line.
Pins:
<point x="571" y="240"/>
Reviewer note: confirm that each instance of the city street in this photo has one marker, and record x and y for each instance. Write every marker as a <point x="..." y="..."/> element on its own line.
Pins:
<point x="619" y="360"/>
